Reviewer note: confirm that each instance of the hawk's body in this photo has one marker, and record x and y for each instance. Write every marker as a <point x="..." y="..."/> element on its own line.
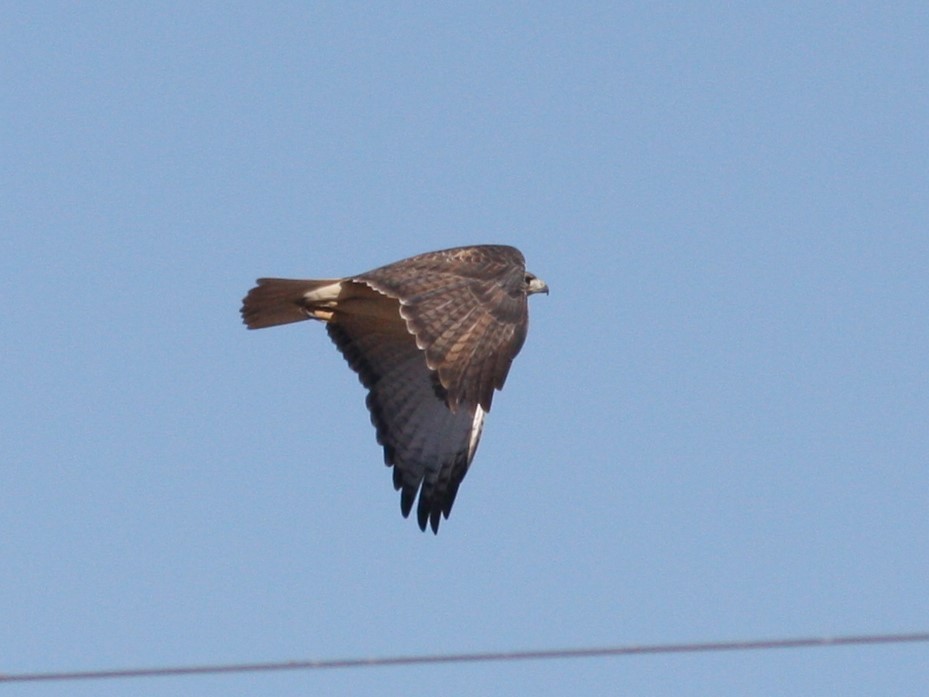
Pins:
<point x="431" y="337"/>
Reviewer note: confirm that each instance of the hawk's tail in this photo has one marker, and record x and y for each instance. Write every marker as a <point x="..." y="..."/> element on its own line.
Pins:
<point x="282" y="301"/>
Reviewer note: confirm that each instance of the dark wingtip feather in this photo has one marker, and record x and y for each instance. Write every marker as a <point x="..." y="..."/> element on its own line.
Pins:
<point x="407" y="496"/>
<point x="422" y="517"/>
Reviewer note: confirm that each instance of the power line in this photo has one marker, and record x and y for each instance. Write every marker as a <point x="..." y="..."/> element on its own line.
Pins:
<point x="484" y="657"/>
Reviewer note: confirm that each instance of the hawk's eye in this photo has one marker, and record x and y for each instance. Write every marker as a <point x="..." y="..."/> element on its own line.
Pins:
<point x="529" y="278"/>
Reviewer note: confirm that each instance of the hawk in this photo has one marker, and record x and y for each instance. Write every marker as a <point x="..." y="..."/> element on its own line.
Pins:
<point x="431" y="337"/>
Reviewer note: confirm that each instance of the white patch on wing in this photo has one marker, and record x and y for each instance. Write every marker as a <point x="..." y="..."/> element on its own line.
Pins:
<point x="476" y="427"/>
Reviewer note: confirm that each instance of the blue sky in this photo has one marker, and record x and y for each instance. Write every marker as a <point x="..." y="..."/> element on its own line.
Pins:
<point x="717" y="428"/>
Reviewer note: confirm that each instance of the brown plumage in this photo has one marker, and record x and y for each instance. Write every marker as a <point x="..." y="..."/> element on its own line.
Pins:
<point x="431" y="337"/>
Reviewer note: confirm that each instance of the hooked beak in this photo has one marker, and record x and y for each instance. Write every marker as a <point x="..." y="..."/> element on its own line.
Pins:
<point x="537" y="285"/>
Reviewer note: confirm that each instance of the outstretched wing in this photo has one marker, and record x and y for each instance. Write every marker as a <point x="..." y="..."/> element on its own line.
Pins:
<point x="428" y="445"/>
<point x="431" y="365"/>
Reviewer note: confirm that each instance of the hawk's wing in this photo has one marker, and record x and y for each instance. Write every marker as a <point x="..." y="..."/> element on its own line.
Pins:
<point x="429" y="446"/>
<point x="459" y="320"/>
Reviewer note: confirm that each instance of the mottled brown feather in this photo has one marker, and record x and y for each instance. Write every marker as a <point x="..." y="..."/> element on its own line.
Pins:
<point x="467" y="308"/>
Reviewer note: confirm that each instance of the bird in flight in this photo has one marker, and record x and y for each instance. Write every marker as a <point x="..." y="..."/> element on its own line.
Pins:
<point x="431" y="337"/>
